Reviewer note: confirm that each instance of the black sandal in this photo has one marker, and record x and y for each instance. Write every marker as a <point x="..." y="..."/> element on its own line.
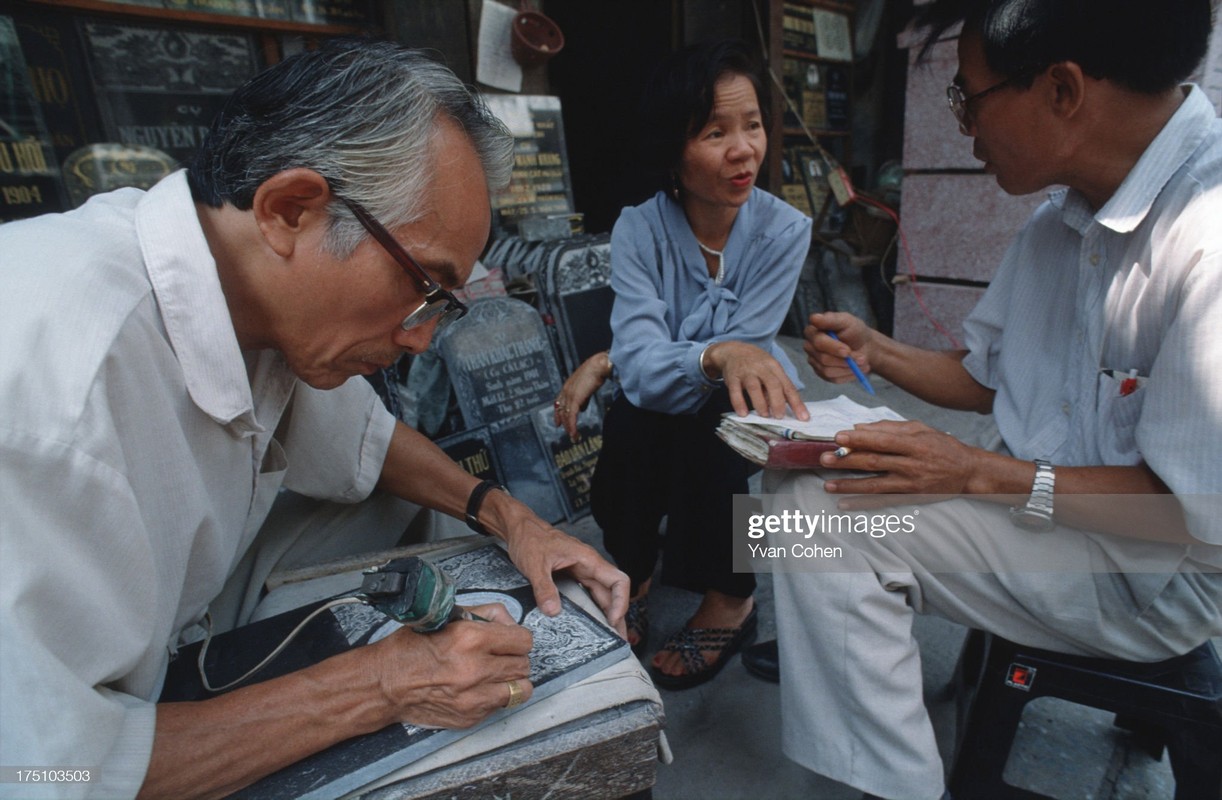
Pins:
<point x="689" y="644"/>
<point x="637" y="622"/>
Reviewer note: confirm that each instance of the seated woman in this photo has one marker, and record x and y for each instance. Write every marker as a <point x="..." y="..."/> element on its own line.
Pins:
<point x="703" y="275"/>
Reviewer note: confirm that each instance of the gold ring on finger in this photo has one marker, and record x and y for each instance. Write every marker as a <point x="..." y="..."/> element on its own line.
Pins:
<point x="516" y="695"/>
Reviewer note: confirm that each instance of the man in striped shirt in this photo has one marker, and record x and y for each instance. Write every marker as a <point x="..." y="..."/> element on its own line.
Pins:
<point x="1096" y="527"/>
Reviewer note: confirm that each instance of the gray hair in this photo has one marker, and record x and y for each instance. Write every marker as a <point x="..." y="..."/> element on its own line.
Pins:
<point x="363" y="114"/>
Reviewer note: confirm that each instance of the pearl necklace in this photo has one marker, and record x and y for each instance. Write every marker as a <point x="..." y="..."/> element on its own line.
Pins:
<point x="721" y="261"/>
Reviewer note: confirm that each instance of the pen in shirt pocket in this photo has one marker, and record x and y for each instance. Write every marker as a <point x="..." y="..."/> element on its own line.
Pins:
<point x="1128" y="384"/>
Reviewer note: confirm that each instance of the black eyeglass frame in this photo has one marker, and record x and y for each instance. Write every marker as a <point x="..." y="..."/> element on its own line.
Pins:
<point x="959" y="104"/>
<point x="434" y="292"/>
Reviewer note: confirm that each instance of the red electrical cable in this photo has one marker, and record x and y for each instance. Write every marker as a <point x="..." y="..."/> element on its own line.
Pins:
<point x="912" y="275"/>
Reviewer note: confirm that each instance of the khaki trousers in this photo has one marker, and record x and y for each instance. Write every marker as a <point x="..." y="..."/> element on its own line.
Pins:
<point x="851" y="689"/>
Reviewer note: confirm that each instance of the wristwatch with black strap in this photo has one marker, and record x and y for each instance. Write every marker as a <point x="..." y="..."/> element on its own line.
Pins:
<point x="1036" y="515"/>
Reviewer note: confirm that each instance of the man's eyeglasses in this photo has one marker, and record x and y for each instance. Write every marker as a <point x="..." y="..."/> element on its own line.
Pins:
<point x="959" y="104"/>
<point x="439" y="304"/>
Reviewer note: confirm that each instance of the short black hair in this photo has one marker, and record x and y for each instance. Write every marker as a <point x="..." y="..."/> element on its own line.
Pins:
<point x="1143" y="46"/>
<point x="678" y="100"/>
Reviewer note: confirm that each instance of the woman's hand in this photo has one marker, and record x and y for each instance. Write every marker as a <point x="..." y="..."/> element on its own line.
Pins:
<point x="754" y="379"/>
<point x="578" y="389"/>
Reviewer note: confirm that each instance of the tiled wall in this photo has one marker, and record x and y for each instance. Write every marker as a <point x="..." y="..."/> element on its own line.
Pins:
<point x="957" y="221"/>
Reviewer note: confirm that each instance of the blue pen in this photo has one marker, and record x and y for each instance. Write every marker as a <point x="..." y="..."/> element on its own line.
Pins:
<point x="861" y="376"/>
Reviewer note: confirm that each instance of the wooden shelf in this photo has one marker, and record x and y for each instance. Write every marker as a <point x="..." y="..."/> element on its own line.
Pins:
<point x="818" y="132"/>
<point x="845" y="6"/>
<point x="802" y="55"/>
<point x="776" y="54"/>
<point x="259" y="24"/>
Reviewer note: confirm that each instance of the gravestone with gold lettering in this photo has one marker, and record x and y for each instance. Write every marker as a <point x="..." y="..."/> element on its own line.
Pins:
<point x="502" y="367"/>
<point x="29" y="171"/>
<point x="540" y="185"/>
<point x="472" y="450"/>
<point x="572" y="460"/>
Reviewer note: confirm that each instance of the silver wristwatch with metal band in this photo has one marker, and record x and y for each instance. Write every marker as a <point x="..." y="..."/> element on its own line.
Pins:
<point x="1036" y="515"/>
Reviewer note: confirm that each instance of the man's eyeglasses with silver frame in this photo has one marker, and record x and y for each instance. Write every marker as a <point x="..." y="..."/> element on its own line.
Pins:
<point x="439" y="304"/>
<point x="959" y="104"/>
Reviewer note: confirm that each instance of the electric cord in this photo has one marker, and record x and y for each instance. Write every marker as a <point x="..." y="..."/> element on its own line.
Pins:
<point x="912" y="275"/>
<point x="882" y="262"/>
<point x="203" y="651"/>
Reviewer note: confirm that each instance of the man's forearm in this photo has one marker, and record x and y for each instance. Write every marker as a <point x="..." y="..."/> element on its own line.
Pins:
<point x="214" y="747"/>
<point x="418" y="470"/>
<point x="1131" y="502"/>
<point x="452" y="678"/>
<point x="1122" y="501"/>
<point x="935" y="376"/>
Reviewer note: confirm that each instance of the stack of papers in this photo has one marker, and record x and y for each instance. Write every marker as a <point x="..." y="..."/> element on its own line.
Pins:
<point x="790" y="443"/>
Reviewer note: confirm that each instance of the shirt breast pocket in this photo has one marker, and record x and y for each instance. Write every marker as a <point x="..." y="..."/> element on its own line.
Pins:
<point x="1118" y="408"/>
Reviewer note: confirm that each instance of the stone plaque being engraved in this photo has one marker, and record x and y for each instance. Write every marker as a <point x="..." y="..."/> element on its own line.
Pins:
<point x="500" y="361"/>
<point x="572" y="462"/>
<point x="567" y="648"/>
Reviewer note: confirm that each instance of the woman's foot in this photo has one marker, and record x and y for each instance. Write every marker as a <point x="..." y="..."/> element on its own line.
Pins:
<point x="720" y="627"/>
<point x="637" y="620"/>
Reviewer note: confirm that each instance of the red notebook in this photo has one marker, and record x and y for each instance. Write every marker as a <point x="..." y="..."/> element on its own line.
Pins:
<point x="793" y="444"/>
<point x="775" y="452"/>
<point x="794" y="453"/>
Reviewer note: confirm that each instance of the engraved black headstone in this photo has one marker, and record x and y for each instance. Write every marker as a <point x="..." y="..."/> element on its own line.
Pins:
<point x="29" y="171"/>
<point x="500" y="361"/>
<point x="540" y="185"/>
<point x="528" y="470"/>
<point x="166" y="96"/>
<point x="503" y="367"/>
<point x="572" y="462"/>
<point x="473" y="451"/>
<point x="577" y="291"/>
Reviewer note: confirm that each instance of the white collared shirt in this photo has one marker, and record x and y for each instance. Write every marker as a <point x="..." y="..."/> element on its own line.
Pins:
<point x="139" y="454"/>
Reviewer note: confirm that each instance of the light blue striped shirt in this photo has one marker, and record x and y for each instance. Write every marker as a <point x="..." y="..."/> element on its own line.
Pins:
<point x="1082" y="297"/>
<point x="667" y="309"/>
